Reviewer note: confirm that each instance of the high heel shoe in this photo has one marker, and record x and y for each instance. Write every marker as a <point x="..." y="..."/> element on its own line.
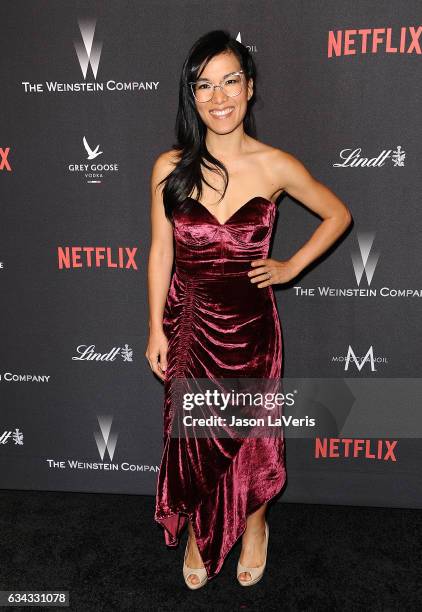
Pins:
<point x="255" y="572"/>
<point x="201" y="572"/>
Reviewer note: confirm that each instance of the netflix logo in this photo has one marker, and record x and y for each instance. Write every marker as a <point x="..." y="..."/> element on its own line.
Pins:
<point x="365" y="41"/>
<point x="96" y="257"/>
<point x="335" y="448"/>
<point x="4" y="162"/>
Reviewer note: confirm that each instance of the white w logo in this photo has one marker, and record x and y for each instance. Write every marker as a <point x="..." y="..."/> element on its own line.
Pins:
<point x="105" y="439"/>
<point x="88" y="51"/>
<point x="365" y="260"/>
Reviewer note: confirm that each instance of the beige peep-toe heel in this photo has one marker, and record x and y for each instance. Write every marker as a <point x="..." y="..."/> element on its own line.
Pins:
<point x="201" y="572"/>
<point x="255" y="572"/>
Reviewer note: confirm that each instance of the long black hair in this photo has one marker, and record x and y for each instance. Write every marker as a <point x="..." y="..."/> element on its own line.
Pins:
<point x="191" y="130"/>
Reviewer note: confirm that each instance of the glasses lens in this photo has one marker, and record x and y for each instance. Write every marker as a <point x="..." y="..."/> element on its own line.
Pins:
<point x="233" y="85"/>
<point x="203" y="90"/>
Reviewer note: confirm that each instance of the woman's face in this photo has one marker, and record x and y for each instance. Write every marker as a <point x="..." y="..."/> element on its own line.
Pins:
<point x="215" y="71"/>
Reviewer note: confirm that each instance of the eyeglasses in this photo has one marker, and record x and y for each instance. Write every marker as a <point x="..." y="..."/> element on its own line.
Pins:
<point x="231" y="85"/>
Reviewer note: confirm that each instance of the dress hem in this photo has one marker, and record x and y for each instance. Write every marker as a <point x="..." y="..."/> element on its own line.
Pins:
<point x="223" y="556"/>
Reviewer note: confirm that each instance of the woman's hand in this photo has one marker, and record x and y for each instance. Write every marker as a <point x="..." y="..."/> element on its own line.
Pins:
<point x="270" y="272"/>
<point x="156" y="352"/>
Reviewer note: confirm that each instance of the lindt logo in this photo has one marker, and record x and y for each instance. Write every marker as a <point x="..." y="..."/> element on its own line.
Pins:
<point x="96" y="257"/>
<point x="352" y="158"/>
<point x="15" y="437"/>
<point x="88" y="353"/>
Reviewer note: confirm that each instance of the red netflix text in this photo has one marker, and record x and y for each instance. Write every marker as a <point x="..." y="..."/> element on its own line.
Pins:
<point x="96" y="257"/>
<point x="331" y="448"/>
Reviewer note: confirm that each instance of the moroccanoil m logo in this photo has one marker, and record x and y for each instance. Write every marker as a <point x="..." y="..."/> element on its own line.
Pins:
<point x="358" y="359"/>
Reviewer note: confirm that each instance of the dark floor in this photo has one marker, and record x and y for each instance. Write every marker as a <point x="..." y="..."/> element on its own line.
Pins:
<point x="110" y="554"/>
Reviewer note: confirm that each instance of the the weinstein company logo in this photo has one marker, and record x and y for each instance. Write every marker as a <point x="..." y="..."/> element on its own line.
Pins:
<point x="105" y="438"/>
<point x="364" y="260"/>
<point x="352" y="158"/>
<point x="251" y="48"/>
<point x="4" y="162"/>
<point x="88" y="48"/>
<point x="367" y="41"/>
<point x="96" y="257"/>
<point x="13" y="437"/>
<point x="15" y="377"/>
<point x="93" y="172"/>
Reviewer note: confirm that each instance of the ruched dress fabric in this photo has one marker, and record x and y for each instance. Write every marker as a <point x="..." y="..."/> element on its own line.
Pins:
<point x="219" y="325"/>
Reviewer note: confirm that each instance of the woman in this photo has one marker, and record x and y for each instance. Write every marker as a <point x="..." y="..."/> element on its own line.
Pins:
<point x="216" y="317"/>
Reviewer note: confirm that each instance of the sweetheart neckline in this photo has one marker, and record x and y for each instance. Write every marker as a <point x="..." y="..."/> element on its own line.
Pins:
<point x="235" y="212"/>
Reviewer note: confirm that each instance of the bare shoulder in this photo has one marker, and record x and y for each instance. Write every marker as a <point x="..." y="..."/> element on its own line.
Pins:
<point x="284" y="167"/>
<point x="276" y="164"/>
<point x="163" y="165"/>
<point x="275" y="156"/>
<point x="166" y="162"/>
<point x="272" y="157"/>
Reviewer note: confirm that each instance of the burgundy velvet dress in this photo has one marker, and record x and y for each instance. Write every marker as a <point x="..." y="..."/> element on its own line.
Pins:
<point x="219" y="325"/>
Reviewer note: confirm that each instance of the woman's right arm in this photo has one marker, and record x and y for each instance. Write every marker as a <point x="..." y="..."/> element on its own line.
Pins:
<point x="160" y="264"/>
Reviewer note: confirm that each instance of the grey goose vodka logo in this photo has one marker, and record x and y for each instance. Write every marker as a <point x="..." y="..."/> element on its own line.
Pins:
<point x="92" y="153"/>
<point x="93" y="171"/>
<point x="87" y="49"/>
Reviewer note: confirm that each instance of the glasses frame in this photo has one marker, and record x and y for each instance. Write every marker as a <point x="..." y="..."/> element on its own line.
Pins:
<point x="192" y="83"/>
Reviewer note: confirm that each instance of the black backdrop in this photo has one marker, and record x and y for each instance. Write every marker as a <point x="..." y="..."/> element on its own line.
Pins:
<point x="89" y="95"/>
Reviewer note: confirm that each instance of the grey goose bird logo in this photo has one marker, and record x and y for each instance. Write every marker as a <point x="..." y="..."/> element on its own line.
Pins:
<point x="92" y="153"/>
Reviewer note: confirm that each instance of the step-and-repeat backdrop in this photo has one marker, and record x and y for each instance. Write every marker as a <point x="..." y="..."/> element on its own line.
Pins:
<point x="89" y="95"/>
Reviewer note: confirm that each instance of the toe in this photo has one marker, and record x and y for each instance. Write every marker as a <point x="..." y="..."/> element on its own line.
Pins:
<point x="193" y="578"/>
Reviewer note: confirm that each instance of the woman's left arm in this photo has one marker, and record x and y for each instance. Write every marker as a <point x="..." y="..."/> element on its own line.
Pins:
<point x="295" y="179"/>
